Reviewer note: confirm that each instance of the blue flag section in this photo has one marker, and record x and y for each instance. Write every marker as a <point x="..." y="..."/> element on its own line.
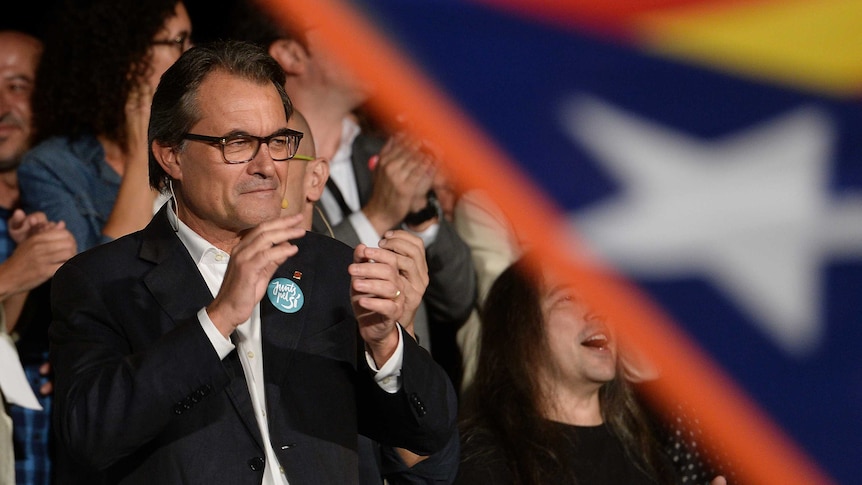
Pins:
<point x="734" y="203"/>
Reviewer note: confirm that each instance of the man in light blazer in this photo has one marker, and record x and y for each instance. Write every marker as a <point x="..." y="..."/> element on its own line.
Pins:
<point x="223" y="343"/>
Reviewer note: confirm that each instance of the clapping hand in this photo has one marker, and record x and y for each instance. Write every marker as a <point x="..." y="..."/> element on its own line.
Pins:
<point x="43" y="246"/>
<point x="412" y="267"/>
<point x="377" y="294"/>
<point x="252" y="263"/>
<point x="402" y="178"/>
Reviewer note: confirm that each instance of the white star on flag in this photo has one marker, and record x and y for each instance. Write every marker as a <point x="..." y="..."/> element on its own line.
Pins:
<point x="751" y="211"/>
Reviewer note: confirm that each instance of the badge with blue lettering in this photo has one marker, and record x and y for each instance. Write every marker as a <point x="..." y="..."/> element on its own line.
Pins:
<point x="285" y="295"/>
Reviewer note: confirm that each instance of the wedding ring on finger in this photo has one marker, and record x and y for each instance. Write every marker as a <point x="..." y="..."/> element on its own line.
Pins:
<point x="397" y="294"/>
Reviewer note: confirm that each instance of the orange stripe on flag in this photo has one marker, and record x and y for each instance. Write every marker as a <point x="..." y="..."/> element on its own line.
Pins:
<point x="759" y="451"/>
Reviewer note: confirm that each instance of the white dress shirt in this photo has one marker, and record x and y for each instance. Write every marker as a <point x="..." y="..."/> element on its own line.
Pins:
<point x="341" y="172"/>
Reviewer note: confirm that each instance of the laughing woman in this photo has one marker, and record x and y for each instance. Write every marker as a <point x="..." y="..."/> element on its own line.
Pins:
<point x="549" y="403"/>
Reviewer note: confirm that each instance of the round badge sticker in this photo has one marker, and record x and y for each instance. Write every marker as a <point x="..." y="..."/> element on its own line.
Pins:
<point x="285" y="295"/>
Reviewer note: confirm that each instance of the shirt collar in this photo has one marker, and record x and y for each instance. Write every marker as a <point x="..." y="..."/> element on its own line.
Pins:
<point x="349" y="131"/>
<point x="194" y="243"/>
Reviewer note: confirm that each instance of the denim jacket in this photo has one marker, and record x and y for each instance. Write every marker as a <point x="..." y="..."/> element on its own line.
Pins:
<point x="70" y="180"/>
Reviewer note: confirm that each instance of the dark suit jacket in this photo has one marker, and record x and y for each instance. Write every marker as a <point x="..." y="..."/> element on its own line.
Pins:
<point x="451" y="292"/>
<point x="142" y="397"/>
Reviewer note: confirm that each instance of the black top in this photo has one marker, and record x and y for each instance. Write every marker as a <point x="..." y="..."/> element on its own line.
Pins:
<point x="599" y="457"/>
<point x="594" y="453"/>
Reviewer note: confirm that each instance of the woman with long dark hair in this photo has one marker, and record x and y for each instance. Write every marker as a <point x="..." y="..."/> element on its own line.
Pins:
<point x="91" y="107"/>
<point x="549" y="403"/>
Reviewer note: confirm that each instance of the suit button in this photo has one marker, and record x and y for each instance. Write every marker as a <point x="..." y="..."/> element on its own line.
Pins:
<point x="256" y="463"/>
<point x="417" y="404"/>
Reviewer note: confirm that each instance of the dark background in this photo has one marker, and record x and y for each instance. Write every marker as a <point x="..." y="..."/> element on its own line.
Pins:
<point x="208" y="17"/>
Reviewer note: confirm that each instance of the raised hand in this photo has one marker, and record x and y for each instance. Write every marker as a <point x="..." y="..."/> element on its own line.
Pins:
<point x="252" y="263"/>
<point x="402" y="178"/>
<point x="413" y="269"/>
<point x="47" y="246"/>
<point x="377" y="294"/>
<point x="22" y="225"/>
<point x="133" y="207"/>
<point x="137" y="110"/>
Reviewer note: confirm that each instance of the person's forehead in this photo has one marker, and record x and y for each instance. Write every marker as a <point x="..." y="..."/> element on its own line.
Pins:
<point x="180" y="21"/>
<point x="227" y="99"/>
<point x="18" y="51"/>
<point x="221" y="84"/>
<point x="306" y="145"/>
<point x="298" y="124"/>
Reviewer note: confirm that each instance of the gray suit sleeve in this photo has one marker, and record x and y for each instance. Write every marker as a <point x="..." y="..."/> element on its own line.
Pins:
<point x="451" y="291"/>
<point x="345" y="233"/>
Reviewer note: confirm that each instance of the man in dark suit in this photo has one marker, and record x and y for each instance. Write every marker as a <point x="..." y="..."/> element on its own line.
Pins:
<point x="159" y="381"/>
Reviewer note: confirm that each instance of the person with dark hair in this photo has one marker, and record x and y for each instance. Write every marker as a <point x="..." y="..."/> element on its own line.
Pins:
<point x="549" y="401"/>
<point x="102" y="61"/>
<point x="224" y="343"/>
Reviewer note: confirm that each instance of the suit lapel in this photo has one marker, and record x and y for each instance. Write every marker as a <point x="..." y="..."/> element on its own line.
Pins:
<point x="281" y="330"/>
<point x="178" y="287"/>
<point x="174" y="281"/>
<point x="237" y="391"/>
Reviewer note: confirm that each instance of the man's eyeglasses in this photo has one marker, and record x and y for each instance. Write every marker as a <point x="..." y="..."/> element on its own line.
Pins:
<point x="243" y="148"/>
<point x="182" y="42"/>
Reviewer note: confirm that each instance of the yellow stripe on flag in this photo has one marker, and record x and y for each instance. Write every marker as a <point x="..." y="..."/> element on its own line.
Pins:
<point x="812" y="45"/>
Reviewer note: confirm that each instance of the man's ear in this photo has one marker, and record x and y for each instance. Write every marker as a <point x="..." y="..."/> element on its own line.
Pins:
<point x="316" y="175"/>
<point x="168" y="160"/>
<point x="290" y="55"/>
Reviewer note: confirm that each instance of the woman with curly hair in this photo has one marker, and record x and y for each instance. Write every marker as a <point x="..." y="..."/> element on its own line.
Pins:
<point x="549" y="403"/>
<point x="91" y="106"/>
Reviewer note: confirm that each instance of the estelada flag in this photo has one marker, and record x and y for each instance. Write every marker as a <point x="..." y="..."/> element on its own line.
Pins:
<point x="708" y="152"/>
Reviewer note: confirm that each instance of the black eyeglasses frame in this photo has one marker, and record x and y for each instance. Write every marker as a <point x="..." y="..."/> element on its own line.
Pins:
<point x="222" y="141"/>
